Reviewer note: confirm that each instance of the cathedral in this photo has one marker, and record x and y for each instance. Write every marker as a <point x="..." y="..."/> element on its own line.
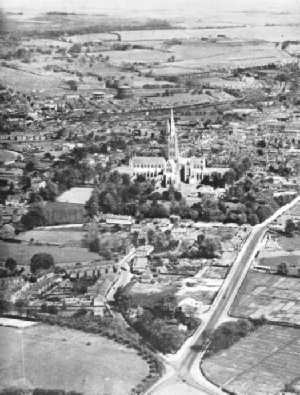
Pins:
<point x="175" y="169"/>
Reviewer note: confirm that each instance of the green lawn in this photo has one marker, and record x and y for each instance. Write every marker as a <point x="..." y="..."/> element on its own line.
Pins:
<point x="58" y="358"/>
<point x="23" y="253"/>
<point x="62" y="236"/>
<point x="290" y="243"/>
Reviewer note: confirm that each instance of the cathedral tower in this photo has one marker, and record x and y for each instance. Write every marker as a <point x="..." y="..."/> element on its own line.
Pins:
<point x="173" y="151"/>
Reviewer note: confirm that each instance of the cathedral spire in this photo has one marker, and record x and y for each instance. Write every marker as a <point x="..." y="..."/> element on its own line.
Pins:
<point x="168" y="131"/>
<point x="173" y="151"/>
<point x="172" y="124"/>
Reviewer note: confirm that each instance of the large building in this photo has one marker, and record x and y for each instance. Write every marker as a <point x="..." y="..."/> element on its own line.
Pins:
<point x="175" y="169"/>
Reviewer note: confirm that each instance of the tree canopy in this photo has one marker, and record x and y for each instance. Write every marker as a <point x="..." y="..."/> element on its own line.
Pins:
<point x="41" y="261"/>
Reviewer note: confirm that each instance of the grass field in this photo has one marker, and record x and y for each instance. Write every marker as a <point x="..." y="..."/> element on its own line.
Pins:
<point x="63" y="237"/>
<point x="275" y="297"/>
<point x="277" y="257"/>
<point x="76" y="195"/>
<point x="261" y="363"/>
<point x="290" y="243"/>
<point x="7" y="156"/>
<point x="57" y="358"/>
<point x="23" y="253"/>
<point x="59" y="213"/>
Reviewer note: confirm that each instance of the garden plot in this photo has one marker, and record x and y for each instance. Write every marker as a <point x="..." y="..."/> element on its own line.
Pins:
<point x="275" y="297"/>
<point x="261" y="363"/>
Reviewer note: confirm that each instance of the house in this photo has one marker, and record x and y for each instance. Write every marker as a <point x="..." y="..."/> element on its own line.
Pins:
<point x="135" y="312"/>
<point x="144" y="251"/>
<point x="146" y="278"/>
<point x="139" y="264"/>
<point x="190" y="306"/>
<point x="119" y="219"/>
<point x="99" y="301"/>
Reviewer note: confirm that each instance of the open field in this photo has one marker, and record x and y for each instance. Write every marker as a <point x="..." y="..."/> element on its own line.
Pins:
<point x="275" y="297"/>
<point x="268" y="33"/>
<point x="290" y="243"/>
<point x="76" y="195"/>
<point x="8" y="156"/>
<point x="137" y="55"/>
<point x="274" y="258"/>
<point x="58" y="213"/>
<point x="57" y="358"/>
<point x="23" y="253"/>
<point x="181" y="98"/>
<point x="261" y="363"/>
<point x="49" y="83"/>
<point x="222" y="51"/>
<point x="84" y="38"/>
<point x="63" y="237"/>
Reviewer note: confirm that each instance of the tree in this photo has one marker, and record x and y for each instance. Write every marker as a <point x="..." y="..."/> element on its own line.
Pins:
<point x="264" y="212"/>
<point x="31" y="165"/>
<point x="50" y="192"/>
<point x="253" y="220"/>
<point x="20" y="306"/>
<point x="289" y="227"/>
<point x="11" y="264"/>
<point x="76" y="48"/>
<point x="230" y="176"/>
<point x="7" y="232"/>
<point x="41" y="261"/>
<point x="35" y="217"/>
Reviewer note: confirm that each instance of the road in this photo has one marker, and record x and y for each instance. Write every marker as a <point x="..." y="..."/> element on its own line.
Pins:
<point x="184" y="375"/>
<point x="125" y="276"/>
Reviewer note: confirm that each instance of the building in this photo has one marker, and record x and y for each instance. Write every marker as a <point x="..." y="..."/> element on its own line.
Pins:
<point x="176" y="168"/>
<point x="124" y="92"/>
<point x="99" y="95"/>
<point x="119" y="219"/>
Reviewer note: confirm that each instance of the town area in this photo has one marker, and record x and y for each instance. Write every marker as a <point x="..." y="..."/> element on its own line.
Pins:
<point x="149" y="203"/>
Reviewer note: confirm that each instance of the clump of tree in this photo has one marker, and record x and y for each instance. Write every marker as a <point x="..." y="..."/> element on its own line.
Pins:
<point x="34" y="217"/>
<point x="205" y="247"/>
<point x="230" y="333"/>
<point x="159" y="320"/>
<point x="11" y="264"/>
<point x="75" y="48"/>
<point x="81" y="285"/>
<point x="7" y="232"/>
<point x="41" y="261"/>
<point x="290" y="227"/>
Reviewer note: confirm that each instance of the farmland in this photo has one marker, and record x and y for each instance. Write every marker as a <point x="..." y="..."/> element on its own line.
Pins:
<point x="268" y="33"/>
<point x="137" y="55"/>
<point x="261" y="363"/>
<point x="275" y="297"/>
<point x="61" y="359"/>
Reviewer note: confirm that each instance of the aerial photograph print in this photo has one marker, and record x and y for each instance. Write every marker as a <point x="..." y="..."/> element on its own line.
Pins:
<point x="149" y="197"/>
